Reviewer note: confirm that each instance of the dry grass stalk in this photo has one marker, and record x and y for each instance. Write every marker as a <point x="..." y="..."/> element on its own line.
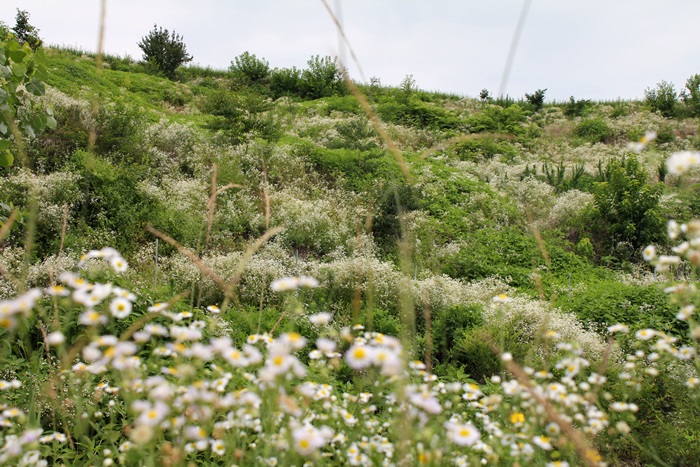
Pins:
<point x="266" y="195"/>
<point x="64" y="225"/>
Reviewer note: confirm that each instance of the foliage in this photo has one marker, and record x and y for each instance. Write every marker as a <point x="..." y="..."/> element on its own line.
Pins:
<point x="691" y="98"/>
<point x="484" y="148"/>
<point x="628" y="206"/>
<point x="663" y="99"/>
<point x="239" y="115"/>
<point x="497" y="119"/>
<point x="21" y="71"/>
<point x="322" y="78"/>
<point x="164" y="51"/>
<point x="603" y="303"/>
<point x="484" y="95"/>
<point x="25" y="33"/>
<point x="247" y="70"/>
<point x="577" y="108"/>
<point x="593" y="130"/>
<point x="536" y="99"/>
<point x="410" y="110"/>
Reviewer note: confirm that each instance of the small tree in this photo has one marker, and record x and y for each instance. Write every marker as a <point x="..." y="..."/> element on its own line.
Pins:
<point x="663" y="99"/>
<point x="536" y="99"/>
<point x="25" y="32"/>
<point x="484" y="95"/>
<point x="247" y="70"/>
<point x="627" y="206"/>
<point x="165" y="51"/>
<point x="691" y="98"/>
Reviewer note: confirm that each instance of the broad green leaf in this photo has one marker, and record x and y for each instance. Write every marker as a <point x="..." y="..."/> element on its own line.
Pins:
<point x="51" y="122"/>
<point x="4" y="144"/>
<point x="18" y="69"/>
<point x="17" y="55"/>
<point x="36" y="87"/>
<point x="6" y="159"/>
<point x="29" y="130"/>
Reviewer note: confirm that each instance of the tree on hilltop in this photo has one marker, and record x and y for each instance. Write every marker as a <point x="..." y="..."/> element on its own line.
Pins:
<point x="165" y="51"/>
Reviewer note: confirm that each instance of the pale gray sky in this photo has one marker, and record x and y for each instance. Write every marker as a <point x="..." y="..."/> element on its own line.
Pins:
<point x="593" y="49"/>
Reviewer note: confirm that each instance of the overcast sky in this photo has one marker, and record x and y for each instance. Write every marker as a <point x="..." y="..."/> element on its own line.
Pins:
<point x="592" y="49"/>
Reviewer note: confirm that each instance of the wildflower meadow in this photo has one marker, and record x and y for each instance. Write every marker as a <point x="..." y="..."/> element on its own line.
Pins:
<point x="281" y="266"/>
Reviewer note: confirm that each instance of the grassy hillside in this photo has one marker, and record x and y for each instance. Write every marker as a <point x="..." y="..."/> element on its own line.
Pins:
<point x="550" y="206"/>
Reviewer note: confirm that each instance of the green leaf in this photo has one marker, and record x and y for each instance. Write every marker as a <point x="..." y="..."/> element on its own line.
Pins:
<point x="36" y="87"/>
<point x="50" y="122"/>
<point x="19" y="70"/>
<point x="29" y="131"/>
<point x="17" y="55"/>
<point x="4" y="144"/>
<point x="6" y="159"/>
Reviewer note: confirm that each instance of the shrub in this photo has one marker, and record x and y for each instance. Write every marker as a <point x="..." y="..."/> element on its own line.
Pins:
<point x="247" y="70"/>
<point x="662" y="99"/>
<point x="323" y="78"/>
<point x="285" y="81"/>
<point x="608" y="302"/>
<point x="484" y="148"/>
<point x="497" y="119"/>
<point x="536" y="99"/>
<point x="412" y="111"/>
<point x="593" y="130"/>
<point x="120" y="132"/>
<point x="627" y="206"/>
<point x="164" y="51"/>
<point x="691" y="99"/>
<point x="448" y="328"/>
<point x="576" y="108"/>
<point x="239" y="114"/>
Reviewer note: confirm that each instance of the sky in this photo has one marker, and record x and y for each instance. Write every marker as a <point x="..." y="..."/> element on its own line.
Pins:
<point x="589" y="49"/>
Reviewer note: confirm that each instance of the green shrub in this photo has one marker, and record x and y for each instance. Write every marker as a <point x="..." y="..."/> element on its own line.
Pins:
<point x="322" y="78"/>
<point x="120" y="132"/>
<point x="536" y="99"/>
<point x="609" y="302"/>
<point x="448" y="327"/>
<point x="627" y="207"/>
<point x="247" y="70"/>
<point x="412" y="111"/>
<point x="691" y="98"/>
<point x="238" y="115"/>
<point x="593" y="130"/>
<point x="497" y="119"/>
<point x="285" y="82"/>
<point x="663" y="99"/>
<point x="359" y="168"/>
<point x="577" y="108"/>
<point x="483" y="148"/>
<point x="474" y="354"/>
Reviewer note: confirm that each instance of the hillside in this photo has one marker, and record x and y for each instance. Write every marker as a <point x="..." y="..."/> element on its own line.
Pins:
<point x="550" y="206"/>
